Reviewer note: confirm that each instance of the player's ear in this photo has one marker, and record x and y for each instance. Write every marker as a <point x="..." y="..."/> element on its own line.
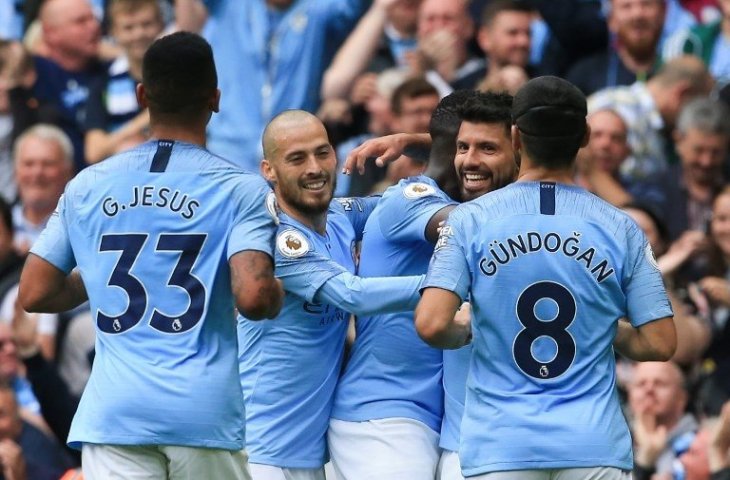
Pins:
<point x="586" y="136"/>
<point x="140" y="93"/>
<point x="516" y="141"/>
<point x="215" y="101"/>
<point x="266" y="171"/>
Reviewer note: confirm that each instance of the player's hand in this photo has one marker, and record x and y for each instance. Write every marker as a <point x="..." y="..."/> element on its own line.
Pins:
<point x="716" y="289"/>
<point x="11" y="458"/>
<point x="384" y="149"/>
<point x="462" y="319"/>
<point x="25" y="331"/>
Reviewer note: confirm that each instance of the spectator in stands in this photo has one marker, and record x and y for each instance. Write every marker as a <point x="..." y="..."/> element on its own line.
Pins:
<point x="380" y="122"/>
<point x="71" y="34"/>
<point x="444" y="32"/>
<point x="710" y="42"/>
<point x="719" y="448"/>
<point x="43" y="165"/>
<point x="505" y="38"/>
<point x="25" y="451"/>
<point x="10" y="262"/>
<point x="714" y="297"/>
<point x="412" y="104"/>
<point x="275" y="63"/>
<point x="637" y="26"/>
<point x="577" y="29"/>
<point x="382" y="39"/>
<point x="650" y="110"/>
<point x="114" y="120"/>
<point x="599" y="162"/>
<point x="690" y="187"/>
<point x="661" y="429"/>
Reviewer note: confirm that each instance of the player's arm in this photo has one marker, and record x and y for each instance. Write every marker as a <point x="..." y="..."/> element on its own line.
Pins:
<point x="434" y="224"/>
<point x="446" y="288"/>
<point x="387" y="149"/>
<point x="44" y="288"/>
<point x="653" y="341"/>
<point x="370" y="296"/>
<point x="257" y="292"/>
<point x="435" y="321"/>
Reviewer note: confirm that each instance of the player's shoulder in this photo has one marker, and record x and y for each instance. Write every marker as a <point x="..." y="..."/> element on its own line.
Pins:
<point x="293" y="240"/>
<point x="412" y="189"/>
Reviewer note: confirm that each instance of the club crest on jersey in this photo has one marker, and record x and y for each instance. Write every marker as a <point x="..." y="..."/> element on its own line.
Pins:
<point x="292" y="244"/>
<point x="272" y="207"/>
<point x="418" y="190"/>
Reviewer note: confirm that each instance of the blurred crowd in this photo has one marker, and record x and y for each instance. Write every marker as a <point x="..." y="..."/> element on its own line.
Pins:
<point x="656" y="73"/>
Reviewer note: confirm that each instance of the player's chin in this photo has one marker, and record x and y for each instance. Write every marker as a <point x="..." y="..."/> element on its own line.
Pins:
<point x="473" y="193"/>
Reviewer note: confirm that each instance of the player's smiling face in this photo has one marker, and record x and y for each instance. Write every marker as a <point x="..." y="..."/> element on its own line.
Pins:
<point x="484" y="158"/>
<point x="303" y="171"/>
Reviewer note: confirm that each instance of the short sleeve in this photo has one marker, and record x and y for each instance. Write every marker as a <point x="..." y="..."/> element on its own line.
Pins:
<point x="449" y="268"/>
<point x="254" y="226"/>
<point x="54" y="243"/>
<point x="646" y="297"/>
<point x="406" y="209"/>
<point x="302" y="269"/>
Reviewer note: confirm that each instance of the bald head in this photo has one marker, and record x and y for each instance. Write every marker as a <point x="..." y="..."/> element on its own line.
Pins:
<point x="58" y="11"/>
<point x="71" y="32"/>
<point x="686" y="68"/>
<point x="278" y="130"/>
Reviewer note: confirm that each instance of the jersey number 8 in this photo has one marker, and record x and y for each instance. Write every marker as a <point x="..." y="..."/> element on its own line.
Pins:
<point x="535" y="328"/>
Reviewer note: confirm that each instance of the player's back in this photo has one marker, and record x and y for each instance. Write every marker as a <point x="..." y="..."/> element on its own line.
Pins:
<point x="391" y="372"/>
<point x="151" y="231"/>
<point x="552" y="270"/>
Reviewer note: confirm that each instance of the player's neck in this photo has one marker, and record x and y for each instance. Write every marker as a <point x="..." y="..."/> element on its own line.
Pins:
<point x="186" y="133"/>
<point x="537" y="173"/>
<point x="315" y="221"/>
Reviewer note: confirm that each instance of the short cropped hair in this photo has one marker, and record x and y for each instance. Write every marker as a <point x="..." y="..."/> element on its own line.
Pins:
<point x="411" y="88"/>
<point x="49" y="133"/>
<point x="446" y="118"/>
<point x="550" y="113"/>
<point x="178" y="74"/>
<point x="705" y="115"/>
<point x="495" y="7"/>
<point x="489" y="107"/>
<point x="115" y="7"/>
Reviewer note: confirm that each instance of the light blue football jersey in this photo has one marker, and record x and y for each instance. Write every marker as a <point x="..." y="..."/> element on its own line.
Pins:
<point x="289" y="366"/>
<point x="391" y="372"/>
<point x="151" y="231"/>
<point x="456" y="369"/>
<point x="549" y="269"/>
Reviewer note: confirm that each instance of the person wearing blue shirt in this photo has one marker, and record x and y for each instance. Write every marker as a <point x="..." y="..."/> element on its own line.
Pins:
<point x="289" y="367"/>
<point x="549" y="277"/>
<point x="390" y="396"/>
<point x="477" y="140"/>
<point x="164" y="240"/>
<point x="275" y="52"/>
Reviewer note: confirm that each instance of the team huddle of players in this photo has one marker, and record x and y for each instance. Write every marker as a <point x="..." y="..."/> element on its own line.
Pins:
<point x="476" y="353"/>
